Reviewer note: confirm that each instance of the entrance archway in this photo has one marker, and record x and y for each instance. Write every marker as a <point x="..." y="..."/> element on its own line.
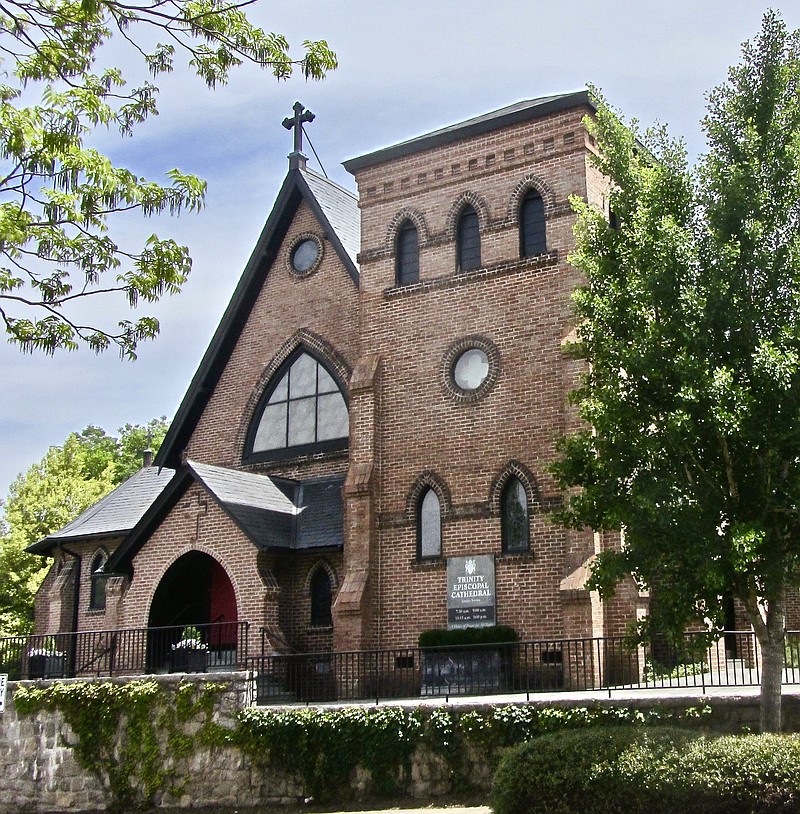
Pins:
<point x="196" y="591"/>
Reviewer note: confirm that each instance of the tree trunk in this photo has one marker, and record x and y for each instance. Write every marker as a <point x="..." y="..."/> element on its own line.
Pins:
<point x="771" y="674"/>
<point x="771" y="634"/>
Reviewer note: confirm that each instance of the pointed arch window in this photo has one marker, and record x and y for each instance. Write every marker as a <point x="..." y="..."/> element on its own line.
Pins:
<point x="429" y="525"/>
<point x="303" y="411"/>
<point x="532" y="236"/>
<point x="516" y="529"/>
<point x="97" y="591"/>
<point x="468" y="240"/>
<point x="321" y="599"/>
<point x="407" y="258"/>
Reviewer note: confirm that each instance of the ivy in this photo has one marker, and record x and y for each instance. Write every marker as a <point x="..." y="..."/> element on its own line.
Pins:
<point x="139" y="737"/>
<point x="129" y="736"/>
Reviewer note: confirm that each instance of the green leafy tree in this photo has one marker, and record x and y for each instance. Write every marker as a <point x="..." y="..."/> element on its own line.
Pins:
<point x="58" y="193"/>
<point x="690" y="324"/>
<point x="53" y="492"/>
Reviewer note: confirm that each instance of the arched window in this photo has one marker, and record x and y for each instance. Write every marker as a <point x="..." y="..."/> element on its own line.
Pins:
<point x="532" y="238"/>
<point x="97" y="593"/>
<point x="515" y="519"/>
<point x="429" y="526"/>
<point x="321" y="596"/>
<point x="407" y="258"/>
<point x="303" y="411"/>
<point x="468" y="240"/>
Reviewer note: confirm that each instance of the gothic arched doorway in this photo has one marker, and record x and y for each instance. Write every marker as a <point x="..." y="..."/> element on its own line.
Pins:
<point x="195" y="591"/>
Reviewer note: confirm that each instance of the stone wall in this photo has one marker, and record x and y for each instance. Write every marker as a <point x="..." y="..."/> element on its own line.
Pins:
<point x="39" y="771"/>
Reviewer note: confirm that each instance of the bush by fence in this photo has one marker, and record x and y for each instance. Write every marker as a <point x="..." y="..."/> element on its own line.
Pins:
<point x="649" y="771"/>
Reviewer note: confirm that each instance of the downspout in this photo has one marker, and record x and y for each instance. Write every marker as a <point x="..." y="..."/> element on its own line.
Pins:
<point x="75" y="608"/>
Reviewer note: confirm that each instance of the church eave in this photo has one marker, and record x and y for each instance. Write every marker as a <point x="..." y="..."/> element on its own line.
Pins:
<point x="496" y="120"/>
<point x="292" y="192"/>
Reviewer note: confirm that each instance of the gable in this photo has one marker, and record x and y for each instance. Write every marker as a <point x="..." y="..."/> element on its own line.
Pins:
<point x="335" y="210"/>
<point x="274" y="513"/>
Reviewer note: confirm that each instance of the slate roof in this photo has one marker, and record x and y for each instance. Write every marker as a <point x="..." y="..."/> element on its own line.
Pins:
<point x="260" y="508"/>
<point x="115" y="514"/>
<point x="336" y="209"/>
<point x="485" y="123"/>
<point x="341" y="208"/>
<point x="273" y="512"/>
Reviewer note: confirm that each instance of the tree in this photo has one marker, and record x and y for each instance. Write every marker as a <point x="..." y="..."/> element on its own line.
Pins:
<point x="52" y="493"/>
<point x="58" y="193"/>
<point x="690" y="324"/>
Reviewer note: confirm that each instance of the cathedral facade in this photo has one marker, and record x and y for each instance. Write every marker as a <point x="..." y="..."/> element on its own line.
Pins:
<point x="363" y="453"/>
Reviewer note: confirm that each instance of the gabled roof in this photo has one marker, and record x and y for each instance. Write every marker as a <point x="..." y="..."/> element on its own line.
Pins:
<point x="115" y="514"/>
<point x="485" y="123"/>
<point x="336" y="209"/>
<point x="272" y="512"/>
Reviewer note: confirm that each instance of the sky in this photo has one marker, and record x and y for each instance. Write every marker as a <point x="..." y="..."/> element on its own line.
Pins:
<point x="404" y="69"/>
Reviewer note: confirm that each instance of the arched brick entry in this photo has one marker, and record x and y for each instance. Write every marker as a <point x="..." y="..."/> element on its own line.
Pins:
<point x="195" y="590"/>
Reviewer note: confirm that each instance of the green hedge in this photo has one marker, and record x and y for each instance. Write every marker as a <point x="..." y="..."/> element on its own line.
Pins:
<point x="440" y="639"/>
<point x="649" y="771"/>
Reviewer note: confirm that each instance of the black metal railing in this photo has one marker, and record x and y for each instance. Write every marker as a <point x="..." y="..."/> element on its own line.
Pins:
<point x="130" y="651"/>
<point x="591" y="664"/>
<point x="523" y="667"/>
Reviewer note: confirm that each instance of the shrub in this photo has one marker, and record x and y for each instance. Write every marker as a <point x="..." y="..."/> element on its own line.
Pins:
<point x="465" y="637"/>
<point x="558" y="773"/>
<point x="649" y="771"/>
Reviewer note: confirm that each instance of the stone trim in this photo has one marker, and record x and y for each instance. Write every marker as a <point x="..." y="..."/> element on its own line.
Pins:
<point x="515" y="469"/>
<point x="302" y="339"/>
<point x="452" y="355"/>
<point x="478" y="203"/>
<point x="529" y="182"/>
<point x="428" y="480"/>
<point x="406" y="214"/>
<point x="542" y="263"/>
<point x="328" y="568"/>
<point x="287" y="258"/>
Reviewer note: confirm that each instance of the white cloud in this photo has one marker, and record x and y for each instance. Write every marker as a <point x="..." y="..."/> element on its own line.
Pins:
<point x="404" y="69"/>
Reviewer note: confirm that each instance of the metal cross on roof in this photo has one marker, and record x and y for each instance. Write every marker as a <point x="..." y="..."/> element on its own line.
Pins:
<point x="296" y="123"/>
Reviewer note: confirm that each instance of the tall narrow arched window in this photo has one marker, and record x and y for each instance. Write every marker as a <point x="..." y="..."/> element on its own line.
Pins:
<point x="532" y="237"/>
<point x="303" y="411"/>
<point x="321" y="598"/>
<point x="97" y="592"/>
<point x="515" y="518"/>
<point x="429" y="526"/>
<point x="468" y="240"/>
<point x="407" y="258"/>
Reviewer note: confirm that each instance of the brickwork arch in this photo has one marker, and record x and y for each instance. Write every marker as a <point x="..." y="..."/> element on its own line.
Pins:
<point x="528" y="183"/>
<point x="406" y="214"/>
<point x="477" y="202"/>
<point x="325" y="566"/>
<point x="428" y="480"/>
<point x="514" y="469"/>
<point x="301" y="340"/>
<point x="187" y="549"/>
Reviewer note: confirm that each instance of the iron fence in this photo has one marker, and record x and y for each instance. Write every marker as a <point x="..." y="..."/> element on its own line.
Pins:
<point x="590" y="664"/>
<point x="517" y="668"/>
<point x="130" y="651"/>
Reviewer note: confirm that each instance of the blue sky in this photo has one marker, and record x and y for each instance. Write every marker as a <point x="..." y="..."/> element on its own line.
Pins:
<point x="404" y="69"/>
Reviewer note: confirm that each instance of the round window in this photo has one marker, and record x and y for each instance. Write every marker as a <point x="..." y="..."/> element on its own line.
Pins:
<point x="304" y="255"/>
<point x="471" y="369"/>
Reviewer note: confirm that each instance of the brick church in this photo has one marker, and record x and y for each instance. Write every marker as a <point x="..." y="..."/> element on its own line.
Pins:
<point x="363" y="452"/>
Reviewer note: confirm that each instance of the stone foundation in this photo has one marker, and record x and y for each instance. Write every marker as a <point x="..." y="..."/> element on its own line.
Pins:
<point x="39" y="772"/>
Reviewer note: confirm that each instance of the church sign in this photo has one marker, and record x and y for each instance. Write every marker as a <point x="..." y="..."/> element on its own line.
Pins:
<point x="470" y="591"/>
